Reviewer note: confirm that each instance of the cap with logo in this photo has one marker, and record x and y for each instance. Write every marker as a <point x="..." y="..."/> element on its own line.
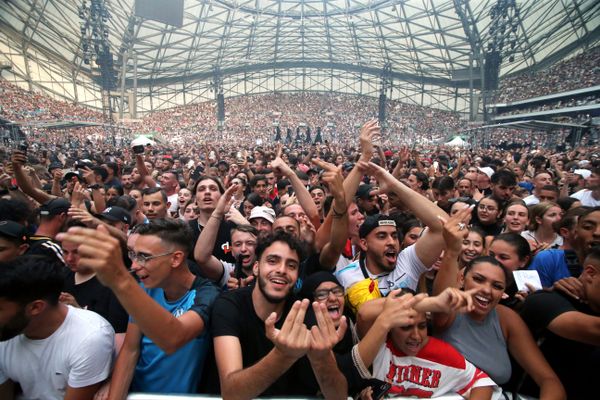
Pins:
<point x="116" y="214"/>
<point x="374" y="221"/>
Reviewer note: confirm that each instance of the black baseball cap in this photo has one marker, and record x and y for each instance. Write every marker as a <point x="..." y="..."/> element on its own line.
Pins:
<point x="374" y="221"/>
<point x="55" y="207"/>
<point x="13" y="230"/>
<point x="116" y="214"/>
<point x="364" y="191"/>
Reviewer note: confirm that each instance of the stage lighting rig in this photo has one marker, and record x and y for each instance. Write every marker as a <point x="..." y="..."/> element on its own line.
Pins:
<point x="502" y="40"/>
<point x="95" y="42"/>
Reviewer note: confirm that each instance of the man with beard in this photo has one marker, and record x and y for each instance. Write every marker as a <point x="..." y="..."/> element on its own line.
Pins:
<point x="382" y="262"/>
<point x="127" y="180"/>
<point x="262" y="346"/>
<point x="51" y="350"/>
<point x="367" y="200"/>
<point x="243" y="246"/>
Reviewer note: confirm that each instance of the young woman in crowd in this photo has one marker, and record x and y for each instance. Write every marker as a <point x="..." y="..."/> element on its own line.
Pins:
<point x="516" y="217"/>
<point x="541" y="232"/>
<point x="487" y="216"/>
<point x="490" y="333"/>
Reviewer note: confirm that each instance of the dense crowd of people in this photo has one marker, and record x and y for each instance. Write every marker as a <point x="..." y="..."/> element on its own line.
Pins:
<point x="218" y="261"/>
<point x="578" y="72"/>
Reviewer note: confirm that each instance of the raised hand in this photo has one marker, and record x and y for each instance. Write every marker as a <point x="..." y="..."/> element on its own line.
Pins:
<point x="334" y="179"/>
<point x="455" y="229"/>
<point x="293" y="340"/>
<point x="398" y="309"/>
<point x="18" y="158"/>
<point x="368" y="134"/>
<point x="225" y="200"/>
<point x="324" y="335"/>
<point x="454" y="300"/>
<point x="279" y="166"/>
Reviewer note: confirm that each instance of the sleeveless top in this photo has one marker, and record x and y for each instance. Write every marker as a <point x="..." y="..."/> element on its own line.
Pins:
<point x="482" y="343"/>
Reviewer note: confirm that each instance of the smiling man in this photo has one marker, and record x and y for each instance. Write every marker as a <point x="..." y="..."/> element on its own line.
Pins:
<point x="262" y="346"/>
<point x="166" y="341"/>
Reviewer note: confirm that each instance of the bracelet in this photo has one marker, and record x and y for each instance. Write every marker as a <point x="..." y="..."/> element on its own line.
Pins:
<point x="216" y="217"/>
<point x="338" y="214"/>
<point x="363" y="371"/>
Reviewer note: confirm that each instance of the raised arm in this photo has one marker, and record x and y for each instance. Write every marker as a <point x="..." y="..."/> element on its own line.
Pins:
<point x="429" y="247"/>
<point x="19" y="159"/>
<point x="210" y="265"/>
<point x="332" y="250"/>
<point x="454" y="232"/>
<point x="307" y="203"/>
<point x="102" y="253"/>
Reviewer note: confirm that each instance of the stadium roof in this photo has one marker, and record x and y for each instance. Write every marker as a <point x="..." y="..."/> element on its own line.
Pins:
<point x="256" y="46"/>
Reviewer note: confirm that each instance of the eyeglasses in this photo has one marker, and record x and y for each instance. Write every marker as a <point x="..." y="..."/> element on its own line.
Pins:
<point x="143" y="258"/>
<point x="489" y="208"/>
<point x="321" y="295"/>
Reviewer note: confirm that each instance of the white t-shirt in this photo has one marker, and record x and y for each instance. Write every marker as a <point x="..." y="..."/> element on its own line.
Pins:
<point x="531" y="200"/>
<point x="173" y="199"/>
<point x="405" y="275"/>
<point x="78" y="354"/>
<point x="585" y="196"/>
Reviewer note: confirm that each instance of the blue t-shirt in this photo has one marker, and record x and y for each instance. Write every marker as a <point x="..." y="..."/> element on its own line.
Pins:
<point x="179" y="372"/>
<point x="551" y="266"/>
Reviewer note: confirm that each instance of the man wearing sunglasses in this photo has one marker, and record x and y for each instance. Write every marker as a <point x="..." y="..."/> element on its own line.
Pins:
<point x="166" y="342"/>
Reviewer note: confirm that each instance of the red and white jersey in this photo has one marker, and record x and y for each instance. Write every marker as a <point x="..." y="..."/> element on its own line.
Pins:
<point x="438" y="369"/>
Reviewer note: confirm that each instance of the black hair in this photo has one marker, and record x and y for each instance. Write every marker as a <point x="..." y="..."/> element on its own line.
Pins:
<point x="281" y="185"/>
<point x="566" y="202"/>
<point x="212" y="178"/>
<point x="504" y="177"/>
<point x="489" y="260"/>
<point x="29" y="278"/>
<point x="518" y="242"/>
<point x="149" y="191"/>
<point x="172" y="231"/>
<point x="257" y="178"/>
<point x="280" y="236"/>
<point x="423" y="179"/>
<point x="14" y="210"/>
<point x="443" y="183"/>
<point x="127" y="202"/>
<point x="118" y="188"/>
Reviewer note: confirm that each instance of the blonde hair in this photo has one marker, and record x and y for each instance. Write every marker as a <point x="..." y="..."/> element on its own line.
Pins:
<point x="538" y="211"/>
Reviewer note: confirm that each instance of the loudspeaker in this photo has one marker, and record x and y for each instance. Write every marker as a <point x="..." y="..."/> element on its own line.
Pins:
<point x="166" y="11"/>
<point x="382" y="100"/>
<point x="221" y="107"/>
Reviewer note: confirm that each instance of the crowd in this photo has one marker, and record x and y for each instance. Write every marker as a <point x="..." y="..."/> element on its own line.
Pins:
<point x="252" y="118"/>
<point x="577" y="72"/>
<point x="300" y="270"/>
<point x="376" y="263"/>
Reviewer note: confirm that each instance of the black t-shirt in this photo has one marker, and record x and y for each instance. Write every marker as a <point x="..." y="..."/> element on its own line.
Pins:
<point x="45" y="246"/>
<point x="233" y="314"/>
<point x="576" y="364"/>
<point x="222" y="248"/>
<point x="94" y="296"/>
